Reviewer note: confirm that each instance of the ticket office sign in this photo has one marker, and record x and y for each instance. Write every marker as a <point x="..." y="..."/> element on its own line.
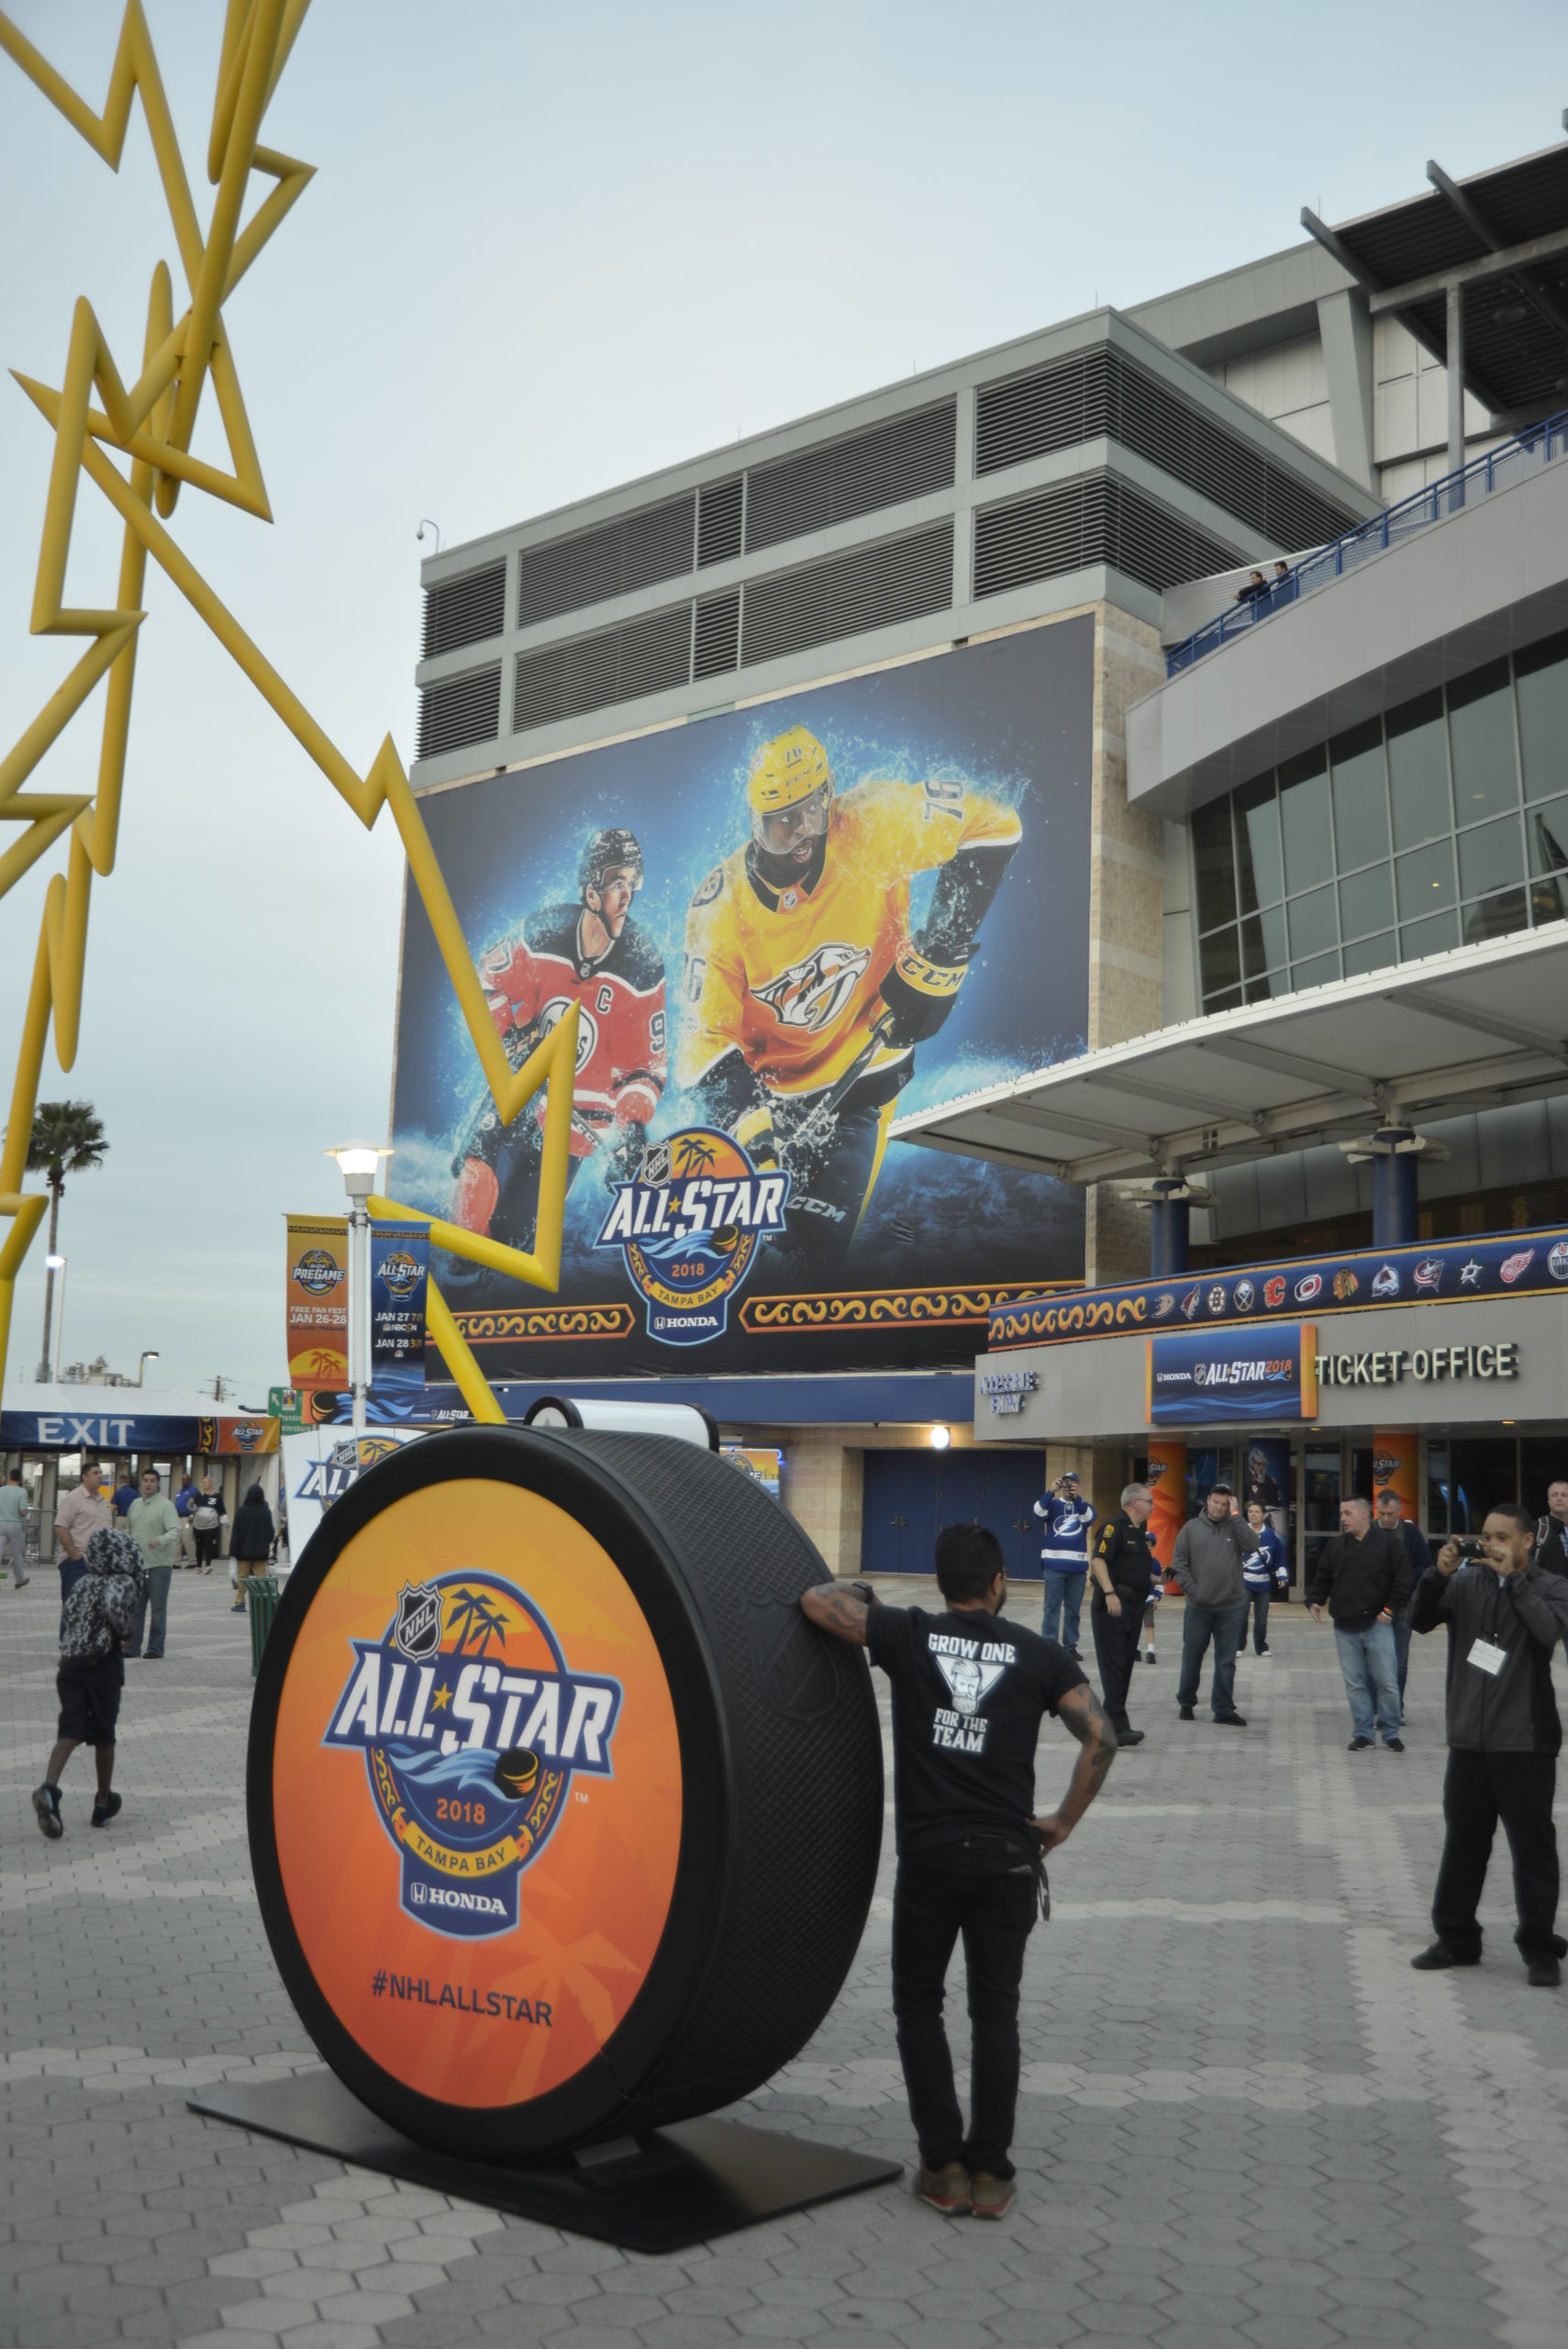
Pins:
<point x="1207" y="1377"/>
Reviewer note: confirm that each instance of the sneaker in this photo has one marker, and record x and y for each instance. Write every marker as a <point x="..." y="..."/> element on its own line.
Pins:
<point x="1150" y="1656"/>
<point x="21" y="1582"/>
<point x="1545" y="1973"/>
<point x="1130" y="1737"/>
<point x="1265" y="1651"/>
<point x="1187" y="1714"/>
<point x="105" y="1810"/>
<point x="946" y="2190"/>
<point x="238" y="1608"/>
<point x="1359" y="1745"/>
<point x="1439" y="1956"/>
<point x="46" y="1802"/>
<point x="1393" y="1745"/>
<point x="1231" y="1721"/>
<point x="995" y="2197"/>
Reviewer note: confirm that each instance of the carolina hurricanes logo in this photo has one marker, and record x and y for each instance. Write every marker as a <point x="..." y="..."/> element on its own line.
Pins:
<point x="810" y="994"/>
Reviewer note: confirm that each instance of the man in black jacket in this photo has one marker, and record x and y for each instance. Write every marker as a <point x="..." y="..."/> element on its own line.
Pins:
<point x="1365" y="1578"/>
<point x="1504" y="1615"/>
<point x="1391" y="1516"/>
<point x="1120" y="1573"/>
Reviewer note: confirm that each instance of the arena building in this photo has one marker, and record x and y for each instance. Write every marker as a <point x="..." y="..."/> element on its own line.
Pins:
<point x="914" y="808"/>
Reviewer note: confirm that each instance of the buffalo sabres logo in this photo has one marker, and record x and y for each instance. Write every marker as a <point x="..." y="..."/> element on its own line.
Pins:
<point x="812" y="994"/>
<point x="417" y="1630"/>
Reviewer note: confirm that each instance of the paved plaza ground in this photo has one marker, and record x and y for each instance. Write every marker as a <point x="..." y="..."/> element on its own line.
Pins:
<point x="1243" y="2117"/>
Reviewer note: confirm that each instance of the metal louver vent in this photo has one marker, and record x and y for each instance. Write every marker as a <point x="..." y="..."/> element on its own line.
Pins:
<point x="465" y="611"/>
<point x="1095" y="519"/>
<point x="716" y="644"/>
<point x="616" y="560"/>
<point x="460" y="710"/>
<point x="1099" y="393"/>
<point x="904" y="458"/>
<point x="645" y="656"/>
<point x="901" y="579"/>
<point x="720" y="506"/>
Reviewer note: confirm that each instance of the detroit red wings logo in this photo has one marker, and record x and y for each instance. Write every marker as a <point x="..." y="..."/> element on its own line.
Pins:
<point x="810" y="994"/>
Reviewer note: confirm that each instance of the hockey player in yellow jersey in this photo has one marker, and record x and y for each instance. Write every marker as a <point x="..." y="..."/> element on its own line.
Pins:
<point x="805" y="995"/>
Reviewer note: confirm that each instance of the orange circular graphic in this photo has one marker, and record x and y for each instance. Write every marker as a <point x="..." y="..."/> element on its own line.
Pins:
<point x="476" y="1789"/>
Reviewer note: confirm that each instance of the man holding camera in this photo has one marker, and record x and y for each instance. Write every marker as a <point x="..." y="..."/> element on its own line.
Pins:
<point x="1064" y="1558"/>
<point x="1504" y="1614"/>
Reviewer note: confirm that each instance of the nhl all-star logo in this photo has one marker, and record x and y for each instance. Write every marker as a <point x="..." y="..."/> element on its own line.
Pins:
<point x="689" y="1227"/>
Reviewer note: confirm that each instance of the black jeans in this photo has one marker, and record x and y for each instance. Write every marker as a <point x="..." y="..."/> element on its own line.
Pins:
<point x="1199" y="1625"/>
<point x="1481" y="1789"/>
<point x="207" y="1544"/>
<point x="1117" y="1639"/>
<point x="984" y="1889"/>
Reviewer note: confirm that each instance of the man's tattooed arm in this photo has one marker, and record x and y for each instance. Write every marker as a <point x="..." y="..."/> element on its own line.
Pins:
<point x="1084" y="1715"/>
<point x="833" y="1608"/>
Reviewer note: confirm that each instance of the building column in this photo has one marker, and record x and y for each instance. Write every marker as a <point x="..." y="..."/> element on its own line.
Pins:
<point x="1454" y="354"/>
<point x="1344" y="322"/>
<point x="822" y="1487"/>
<point x="1170" y="1227"/>
<point x="48" y="1493"/>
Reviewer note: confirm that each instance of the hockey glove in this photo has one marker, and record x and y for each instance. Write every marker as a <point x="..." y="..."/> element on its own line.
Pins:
<point x="919" y="994"/>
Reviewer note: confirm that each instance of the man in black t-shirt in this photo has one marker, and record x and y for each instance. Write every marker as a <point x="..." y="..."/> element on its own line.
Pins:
<point x="969" y="1690"/>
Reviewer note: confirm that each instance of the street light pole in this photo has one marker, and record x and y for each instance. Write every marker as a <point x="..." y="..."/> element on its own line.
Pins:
<point x="359" y="1163"/>
<point x="149" y="1354"/>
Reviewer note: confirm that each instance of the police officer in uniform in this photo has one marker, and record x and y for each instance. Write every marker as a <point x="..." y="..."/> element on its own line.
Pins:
<point x="1121" y="1572"/>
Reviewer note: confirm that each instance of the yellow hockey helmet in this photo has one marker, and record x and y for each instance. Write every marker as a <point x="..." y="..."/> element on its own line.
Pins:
<point x="786" y="773"/>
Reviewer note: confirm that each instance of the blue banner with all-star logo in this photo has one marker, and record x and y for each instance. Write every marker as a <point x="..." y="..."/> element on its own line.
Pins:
<point x="1506" y="1263"/>
<point x="1194" y="1376"/>
<point x="400" y="1270"/>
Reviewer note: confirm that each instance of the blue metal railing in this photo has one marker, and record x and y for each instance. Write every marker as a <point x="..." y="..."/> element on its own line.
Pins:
<point x="1497" y="470"/>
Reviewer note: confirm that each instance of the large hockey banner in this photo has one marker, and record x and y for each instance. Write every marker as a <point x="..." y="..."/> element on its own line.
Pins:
<point x="784" y="925"/>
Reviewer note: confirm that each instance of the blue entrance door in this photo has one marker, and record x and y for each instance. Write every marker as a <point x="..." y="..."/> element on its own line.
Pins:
<point x="909" y="1496"/>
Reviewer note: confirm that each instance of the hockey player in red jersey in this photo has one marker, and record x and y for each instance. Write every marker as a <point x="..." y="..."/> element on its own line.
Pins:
<point x="593" y="954"/>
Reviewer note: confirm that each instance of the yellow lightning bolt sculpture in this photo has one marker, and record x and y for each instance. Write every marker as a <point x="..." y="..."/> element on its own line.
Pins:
<point x="151" y="422"/>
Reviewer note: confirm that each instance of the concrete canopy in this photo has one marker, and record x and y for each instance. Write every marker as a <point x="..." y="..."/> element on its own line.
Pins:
<point x="1478" y="1028"/>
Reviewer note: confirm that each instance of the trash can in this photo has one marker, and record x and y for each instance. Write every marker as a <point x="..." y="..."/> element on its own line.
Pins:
<point x="261" y="1598"/>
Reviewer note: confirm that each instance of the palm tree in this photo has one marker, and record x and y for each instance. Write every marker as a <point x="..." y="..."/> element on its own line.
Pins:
<point x="68" y="1138"/>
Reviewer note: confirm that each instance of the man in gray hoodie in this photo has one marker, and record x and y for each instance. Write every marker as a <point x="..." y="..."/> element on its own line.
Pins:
<point x="1207" y="1563"/>
<point x="1504" y="1615"/>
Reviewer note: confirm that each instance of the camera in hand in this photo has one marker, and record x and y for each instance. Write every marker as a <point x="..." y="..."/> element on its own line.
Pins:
<point x="1470" y="1545"/>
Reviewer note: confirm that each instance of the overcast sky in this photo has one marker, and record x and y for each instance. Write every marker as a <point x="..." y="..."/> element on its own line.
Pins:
<point x="548" y="249"/>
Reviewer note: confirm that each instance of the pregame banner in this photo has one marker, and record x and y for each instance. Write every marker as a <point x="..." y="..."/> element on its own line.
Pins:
<point x="317" y="1309"/>
<point x="784" y="928"/>
<point x="400" y="1266"/>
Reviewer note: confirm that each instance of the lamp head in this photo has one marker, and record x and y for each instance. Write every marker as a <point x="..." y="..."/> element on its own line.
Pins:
<point x="358" y="1163"/>
<point x="55" y="1263"/>
<point x="940" y="1438"/>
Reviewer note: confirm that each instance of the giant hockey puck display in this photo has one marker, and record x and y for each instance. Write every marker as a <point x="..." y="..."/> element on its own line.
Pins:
<point x="564" y="1821"/>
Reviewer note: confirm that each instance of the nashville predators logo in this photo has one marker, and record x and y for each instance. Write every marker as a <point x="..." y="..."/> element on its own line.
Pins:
<point x="473" y="1727"/>
<point x="689" y="1228"/>
<point x="811" y="995"/>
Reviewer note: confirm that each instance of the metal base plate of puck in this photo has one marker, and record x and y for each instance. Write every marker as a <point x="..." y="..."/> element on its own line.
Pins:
<point x="662" y="2192"/>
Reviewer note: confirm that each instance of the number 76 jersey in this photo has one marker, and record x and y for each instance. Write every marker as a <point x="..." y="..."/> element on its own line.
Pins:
<point x="792" y="976"/>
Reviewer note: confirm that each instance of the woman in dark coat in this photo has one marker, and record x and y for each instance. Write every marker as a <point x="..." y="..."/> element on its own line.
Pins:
<point x="249" y="1541"/>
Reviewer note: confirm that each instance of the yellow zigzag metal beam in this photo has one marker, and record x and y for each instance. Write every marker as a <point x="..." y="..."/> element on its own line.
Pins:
<point x="152" y="422"/>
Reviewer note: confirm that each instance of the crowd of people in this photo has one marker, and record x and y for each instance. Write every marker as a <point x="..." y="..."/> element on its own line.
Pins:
<point x="971" y="1685"/>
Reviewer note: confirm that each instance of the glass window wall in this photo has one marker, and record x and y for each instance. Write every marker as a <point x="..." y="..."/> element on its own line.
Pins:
<point x="1441" y="824"/>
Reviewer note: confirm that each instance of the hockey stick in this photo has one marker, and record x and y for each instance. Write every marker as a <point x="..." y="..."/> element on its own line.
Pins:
<point x="806" y="1131"/>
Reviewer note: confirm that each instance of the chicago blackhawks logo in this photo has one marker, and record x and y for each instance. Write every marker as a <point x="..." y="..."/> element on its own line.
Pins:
<point x="689" y="1228"/>
<point x="473" y="1727"/>
<point x="813" y="993"/>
